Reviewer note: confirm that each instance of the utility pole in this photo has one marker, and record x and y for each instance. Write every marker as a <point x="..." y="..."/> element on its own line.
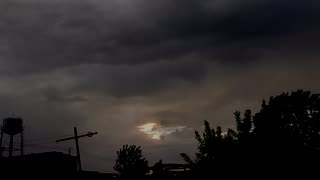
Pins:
<point x="76" y="137"/>
<point x="77" y="147"/>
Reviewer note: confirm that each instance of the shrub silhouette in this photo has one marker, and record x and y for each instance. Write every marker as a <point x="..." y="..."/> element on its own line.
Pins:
<point x="130" y="162"/>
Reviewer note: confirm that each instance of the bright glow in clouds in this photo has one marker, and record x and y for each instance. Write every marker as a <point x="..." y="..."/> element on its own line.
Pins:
<point x="157" y="131"/>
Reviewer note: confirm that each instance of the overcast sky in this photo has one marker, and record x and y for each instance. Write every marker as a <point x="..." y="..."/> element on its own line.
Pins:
<point x="114" y="65"/>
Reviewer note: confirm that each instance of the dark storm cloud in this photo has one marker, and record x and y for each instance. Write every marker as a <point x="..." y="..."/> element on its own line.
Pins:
<point x="37" y="36"/>
<point x="52" y="95"/>
<point x="138" y="80"/>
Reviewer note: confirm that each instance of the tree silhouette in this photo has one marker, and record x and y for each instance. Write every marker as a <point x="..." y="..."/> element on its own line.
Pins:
<point x="293" y="118"/>
<point x="284" y="134"/>
<point x="244" y="125"/>
<point x="286" y="130"/>
<point x="214" y="149"/>
<point x="130" y="162"/>
<point x="157" y="169"/>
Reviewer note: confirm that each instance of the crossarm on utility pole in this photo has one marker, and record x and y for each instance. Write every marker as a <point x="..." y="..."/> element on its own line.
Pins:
<point x="76" y="137"/>
<point x="89" y="134"/>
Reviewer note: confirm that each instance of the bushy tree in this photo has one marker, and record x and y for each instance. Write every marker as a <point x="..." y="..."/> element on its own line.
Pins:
<point x="214" y="149"/>
<point x="130" y="162"/>
<point x="291" y="120"/>
<point x="284" y="133"/>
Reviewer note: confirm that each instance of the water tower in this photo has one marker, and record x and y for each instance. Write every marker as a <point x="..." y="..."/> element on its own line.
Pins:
<point x="11" y="127"/>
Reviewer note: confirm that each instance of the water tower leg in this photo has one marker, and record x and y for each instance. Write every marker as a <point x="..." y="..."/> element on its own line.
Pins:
<point x="21" y="141"/>
<point x="1" y="143"/>
<point x="11" y="146"/>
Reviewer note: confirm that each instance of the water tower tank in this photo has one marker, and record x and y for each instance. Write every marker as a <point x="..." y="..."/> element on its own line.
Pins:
<point x="12" y="126"/>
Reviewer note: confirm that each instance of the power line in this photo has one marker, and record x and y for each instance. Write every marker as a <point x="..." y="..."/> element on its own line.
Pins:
<point x="48" y="138"/>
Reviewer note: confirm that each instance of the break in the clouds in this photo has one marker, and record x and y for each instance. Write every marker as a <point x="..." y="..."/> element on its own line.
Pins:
<point x="111" y="66"/>
<point x="157" y="132"/>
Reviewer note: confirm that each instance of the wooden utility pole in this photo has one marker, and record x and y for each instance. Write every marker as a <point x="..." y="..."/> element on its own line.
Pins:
<point x="77" y="147"/>
<point x="76" y="137"/>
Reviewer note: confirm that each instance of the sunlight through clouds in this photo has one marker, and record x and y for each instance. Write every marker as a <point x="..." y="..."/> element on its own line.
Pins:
<point x="156" y="131"/>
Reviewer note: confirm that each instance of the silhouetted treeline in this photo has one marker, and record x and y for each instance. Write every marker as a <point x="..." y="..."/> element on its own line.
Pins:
<point x="283" y="138"/>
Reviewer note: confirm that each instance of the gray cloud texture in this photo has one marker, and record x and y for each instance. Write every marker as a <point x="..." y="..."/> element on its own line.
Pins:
<point x="113" y="65"/>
